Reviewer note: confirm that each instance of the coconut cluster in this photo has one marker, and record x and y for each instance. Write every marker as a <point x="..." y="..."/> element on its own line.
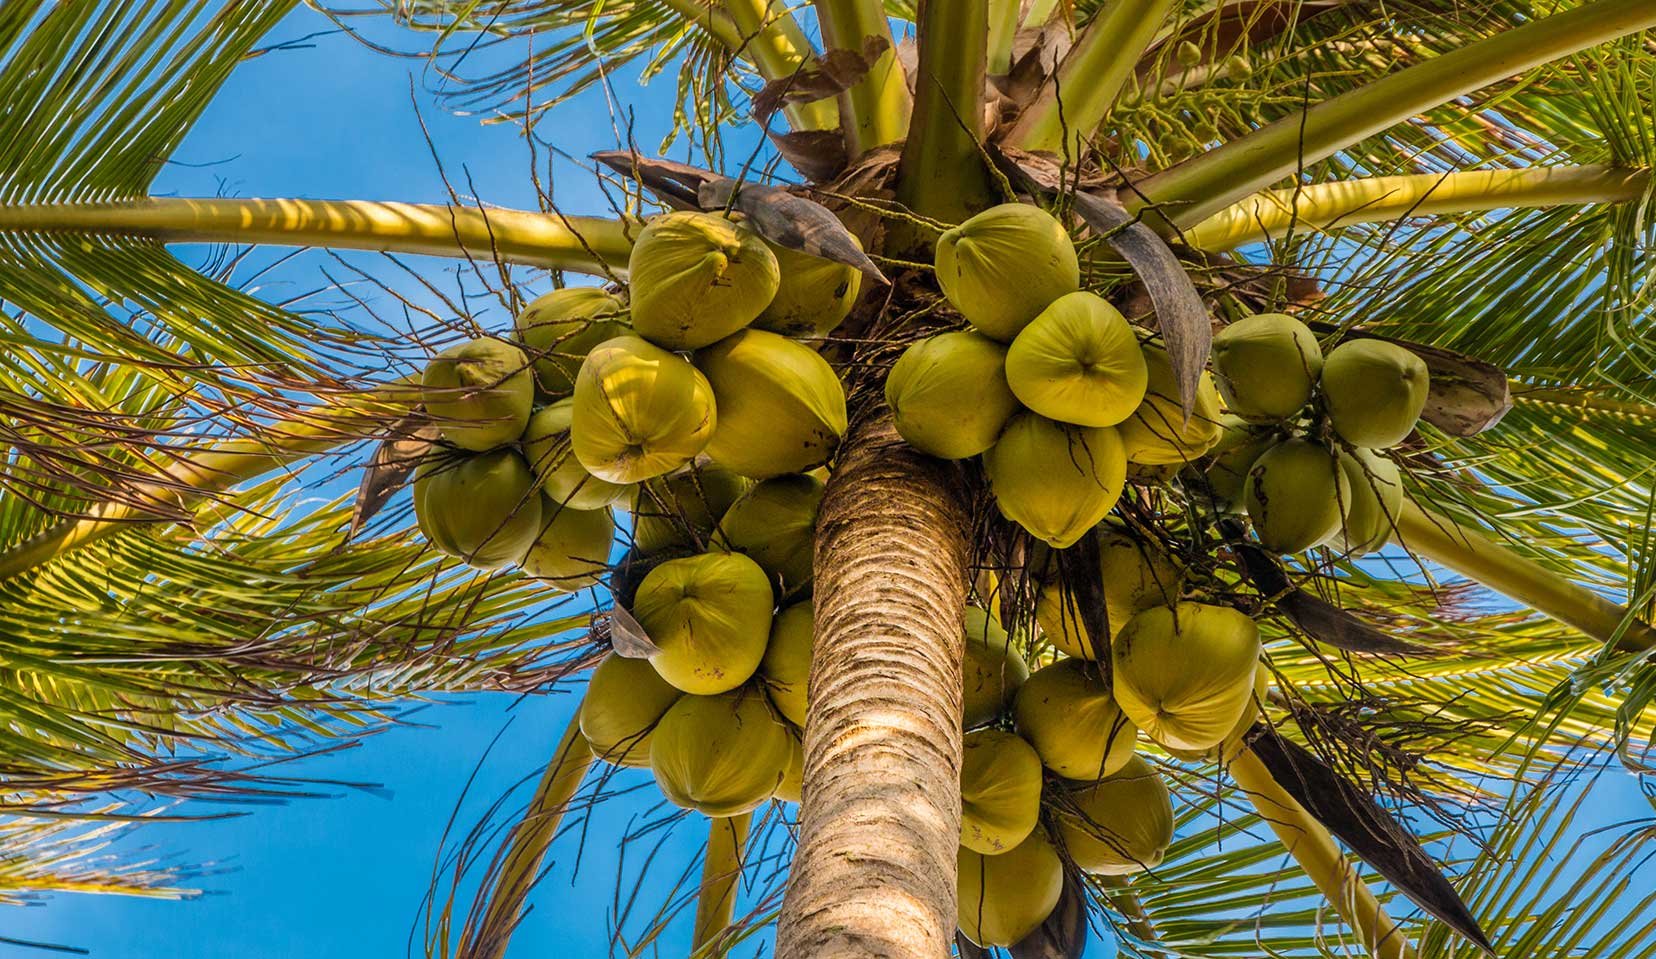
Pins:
<point x="1052" y="386"/>
<point x="1051" y="769"/>
<point x="598" y="397"/>
<point x="1302" y="450"/>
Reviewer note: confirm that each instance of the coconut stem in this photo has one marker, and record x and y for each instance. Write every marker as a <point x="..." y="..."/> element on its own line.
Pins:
<point x="527" y="845"/>
<point x="1003" y="31"/>
<point x="1473" y="555"/>
<point x="195" y="474"/>
<point x="1072" y="104"/>
<point x="942" y="174"/>
<point x="721" y="874"/>
<point x="1194" y="190"/>
<point x="875" y="111"/>
<point x="1326" y="206"/>
<point x="771" y="36"/>
<point x="1313" y="847"/>
<point x="583" y="244"/>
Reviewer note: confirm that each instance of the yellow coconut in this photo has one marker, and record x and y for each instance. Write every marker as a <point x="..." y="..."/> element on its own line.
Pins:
<point x="1184" y="674"/>
<point x="1234" y="740"/>
<point x="1374" y="392"/>
<point x="1135" y="577"/>
<point x="1000" y="791"/>
<point x="1239" y="445"/>
<point x="992" y="671"/>
<point x="1006" y="897"/>
<point x="720" y="755"/>
<point x="682" y="510"/>
<point x="781" y="408"/>
<point x="483" y="508"/>
<point x="793" y="778"/>
<point x="639" y="412"/>
<point x="1375" y="487"/>
<point x="949" y="395"/>
<point x="1294" y="495"/>
<point x="786" y="665"/>
<point x="624" y="701"/>
<point x="1266" y="366"/>
<point x="559" y="328"/>
<point x="547" y="445"/>
<point x="480" y="393"/>
<point x="710" y="615"/>
<point x="1121" y="824"/>
<point x="1067" y="712"/>
<point x="1157" y="434"/>
<point x="1078" y="362"/>
<point x="572" y="551"/>
<point x="775" y="524"/>
<point x="1004" y="266"/>
<point x="1055" y="481"/>
<point x="696" y="278"/>
<point x="815" y="295"/>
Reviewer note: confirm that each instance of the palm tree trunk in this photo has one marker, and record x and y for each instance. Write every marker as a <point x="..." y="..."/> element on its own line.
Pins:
<point x="874" y="875"/>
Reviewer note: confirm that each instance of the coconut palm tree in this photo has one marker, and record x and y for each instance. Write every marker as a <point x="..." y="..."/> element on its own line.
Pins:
<point x="1470" y="180"/>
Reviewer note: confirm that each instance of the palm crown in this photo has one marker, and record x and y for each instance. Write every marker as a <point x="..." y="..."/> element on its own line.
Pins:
<point x="1469" y="182"/>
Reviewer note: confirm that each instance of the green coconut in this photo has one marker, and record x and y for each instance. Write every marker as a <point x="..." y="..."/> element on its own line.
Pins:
<point x="547" y="445"/>
<point x="786" y="666"/>
<point x="1375" y="487"/>
<point x="1231" y="746"/>
<point x="639" y="411"/>
<point x="1067" y="712"/>
<point x="793" y="778"/>
<point x="1000" y="791"/>
<point x="991" y="672"/>
<point x="696" y="278"/>
<point x="1121" y="824"/>
<point x="625" y="698"/>
<point x="1266" y="366"/>
<point x="1004" y="266"/>
<point x="1078" y="362"/>
<point x="1006" y="897"/>
<point x="1157" y="433"/>
<point x="1135" y="576"/>
<point x="682" y="511"/>
<point x="775" y="524"/>
<point x="572" y="551"/>
<point x="1374" y="392"/>
<point x="483" y="508"/>
<point x="1054" y="480"/>
<point x="1294" y="495"/>
<point x="1184" y="674"/>
<point x="949" y="395"/>
<point x="480" y="393"/>
<point x="1239" y="445"/>
<point x="710" y="617"/>
<point x="781" y="408"/>
<point x="720" y="755"/>
<point x="559" y="328"/>
<point x="815" y="296"/>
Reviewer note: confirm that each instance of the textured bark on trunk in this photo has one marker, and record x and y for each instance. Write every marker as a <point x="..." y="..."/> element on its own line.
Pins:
<point x="874" y="875"/>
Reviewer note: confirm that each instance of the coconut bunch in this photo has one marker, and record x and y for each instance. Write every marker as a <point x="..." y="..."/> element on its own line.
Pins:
<point x="1052" y="771"/>
<point x="1051" y="385"/>
<point x="1304" y="438"/>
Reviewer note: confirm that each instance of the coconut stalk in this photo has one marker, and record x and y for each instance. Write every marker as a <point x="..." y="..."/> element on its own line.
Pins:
<point x="581" y="244"/>
<point x="942" y="171"/>
<point x="879" y="824"/>
<point x="1473" y="555"/>
<point x="1313" y="847"/>
<point x="779" y="48"/>
<point x="194" y="475"/>
<point x="875" y="110"/>
<point x="721" y="875"/>
<point x="1189" y="193"/>
<point x="1072" y="103"/>
<point x="526" y="847"/>
<point x="1330" y="206"/>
